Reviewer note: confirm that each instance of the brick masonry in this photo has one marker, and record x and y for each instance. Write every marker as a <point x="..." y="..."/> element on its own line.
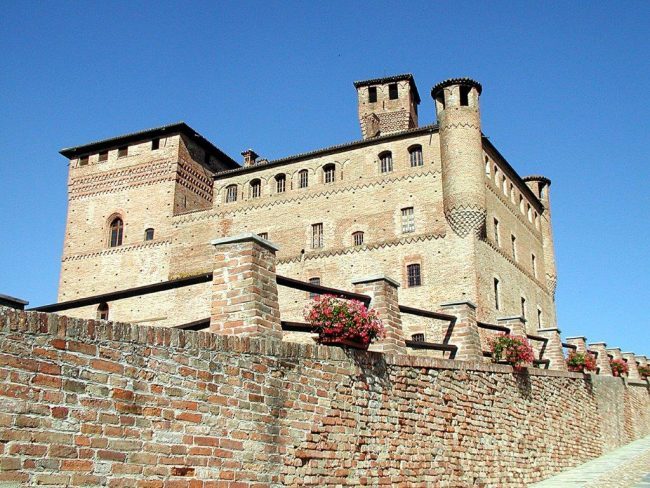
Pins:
<point x="107" y="404"/>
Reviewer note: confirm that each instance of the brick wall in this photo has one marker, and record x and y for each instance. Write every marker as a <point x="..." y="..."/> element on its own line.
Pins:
<point x="84" y="403"/>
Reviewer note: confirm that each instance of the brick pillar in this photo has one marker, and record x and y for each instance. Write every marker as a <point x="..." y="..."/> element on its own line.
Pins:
<point x="615" y="352"/>
<point x="384" y="299"/>
<point x="553" y="350"/>
<point x="517" y="325"/>
<point x="579" y="341"/>
<point x="633" y="368"/>
<point x="465" y="333"/>
<point x="602" y="361"/>
<point x="642" y="360"/>
<point x="244" y="290"/>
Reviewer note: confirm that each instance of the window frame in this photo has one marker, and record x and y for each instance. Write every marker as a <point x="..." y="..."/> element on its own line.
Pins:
<point x="355" y="237"/>
<point x="329" y="173"/>
<point x="416" y="156"/>
<point x="372" y="94"/>
<point x="413" y="275"/>
<point x="116" y="231"/>
<point x="408" y="220"/>
<point x="303" y="178"/>
<point x="231" y="193"/>
<point x="385" y="162"/>
<point x="317" y="236"/>
<point x="255" y="188"/>
<point x="149" y="233"/>
<point x="393" y="91"/>
<point x="280" y="183"/>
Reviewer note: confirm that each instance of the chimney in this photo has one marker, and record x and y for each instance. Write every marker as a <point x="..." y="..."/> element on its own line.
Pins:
<point x="250" y="157"/>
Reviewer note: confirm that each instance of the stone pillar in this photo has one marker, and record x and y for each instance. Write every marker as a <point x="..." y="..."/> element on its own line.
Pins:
<point x="384" y="299"/>
<point x="602" y="360"/>
<point x="465" y="333"/>
<point x="553" y="350"/>
<point x="244" y="288"/>
<point x="615" y="352"/>
<point x="580" y="342"/>
<point x="516" y="324"/>
<point x="632" y="367"/>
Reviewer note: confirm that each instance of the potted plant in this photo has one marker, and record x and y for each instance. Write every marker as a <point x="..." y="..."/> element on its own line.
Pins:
<point x="343" y="322"/>
<point x="644" y="371"/>
<point x="581" y="361"/>
<point x="514" y="350"/>
<point x="619" y="367"/>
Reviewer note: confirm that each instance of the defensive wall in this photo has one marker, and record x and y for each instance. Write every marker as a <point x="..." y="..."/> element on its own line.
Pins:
<point x="96" y="403"/>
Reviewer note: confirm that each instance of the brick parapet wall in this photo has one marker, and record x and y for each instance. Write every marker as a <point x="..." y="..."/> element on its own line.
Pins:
<point x="89" y="402"/>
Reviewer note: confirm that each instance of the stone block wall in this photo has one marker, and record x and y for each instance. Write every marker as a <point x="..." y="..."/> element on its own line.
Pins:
<point x="104" y="404"/>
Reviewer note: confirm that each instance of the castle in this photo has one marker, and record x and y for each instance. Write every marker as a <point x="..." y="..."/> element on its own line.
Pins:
<point x="435" y="207"/>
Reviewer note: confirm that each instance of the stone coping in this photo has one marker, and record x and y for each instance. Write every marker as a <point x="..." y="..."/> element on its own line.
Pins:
<point x="248" y="236"/>
<point x="377" y="277"/>
<point x="584" y="338"/>
<point x="61" y="327"/>
<point x="514" y="317"/>
<point x="462" y="302"/>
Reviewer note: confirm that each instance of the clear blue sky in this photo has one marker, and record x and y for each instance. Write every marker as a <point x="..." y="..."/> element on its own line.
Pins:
<point x="566" y="94"/>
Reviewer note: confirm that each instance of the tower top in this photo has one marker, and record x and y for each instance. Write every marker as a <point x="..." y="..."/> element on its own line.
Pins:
<point x="456" y="81"/>
<point x="392" y="79"/>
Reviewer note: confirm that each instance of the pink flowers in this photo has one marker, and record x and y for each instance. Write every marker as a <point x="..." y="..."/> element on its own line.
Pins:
<point x="580" y="362"/>
<point x="335" y="318"/>
<point x="644" y="371"/>
<point x="619" y="367"/>
<point x="515" y="350"/>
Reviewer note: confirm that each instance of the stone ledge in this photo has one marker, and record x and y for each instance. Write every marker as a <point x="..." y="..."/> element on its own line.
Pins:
<point x="377" y="277"/>
<point x="249" y="236"/>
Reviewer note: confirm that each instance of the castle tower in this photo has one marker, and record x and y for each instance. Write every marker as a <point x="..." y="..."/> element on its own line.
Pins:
<point x="387" y="105"/>
<point x="541" y="187"/>
<point x="461" y="150"/>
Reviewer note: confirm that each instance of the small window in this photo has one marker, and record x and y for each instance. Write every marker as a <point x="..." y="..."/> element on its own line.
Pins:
<point x="231" y="193"/>
<point x="116" y="233"/>
<point x="83" y="161"/>
<point x="314" y="281"/>
<point x="440" y="98"/>
<point x="317" y="236"/>
<point x="413" y="275"/>
<point x="372" y="94"/>
<point x="303" y="178"/>
<point x="415" y="156"/>
<point x="497" y="298"/>
<point x="464" y="95"/>
<point x="505" y="186"/>
<point x="417" y="337"/>
<point x="264" y="235"/>
<point x="539" y="318"/>
<point x="280" y="183"/>
<point x="329" y="173"/>
<point x="408" y="220"/>
<point x="392" y="91"/>
<point x="523" y="307"/>
<point x="497" y="239"/>
<point x="103" y="156"/>
<point x="358" y="238"/>
<point x="529" y="211"/>
<point x="386" y="162"/>
<point x="155" y="144"/>
<point x="148" y="234"/>
<point x="256" y="189"/>
<point x="123" y="152"/>
<point x="513" y="241"/>
<point x="512" y="193"/>
<point x="521" y="204"/>
<point x="533" y="264"/>
<point x="102" y="311"/>
<point x="487" y="167"/>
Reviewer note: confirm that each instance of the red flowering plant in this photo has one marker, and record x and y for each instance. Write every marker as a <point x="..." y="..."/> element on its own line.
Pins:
<point x="644" y="371"/>
<point x="581" y="361"/>
<point x="619" y="367"/>
<point x="514" y="350"/>
<point x="344" y="322"/>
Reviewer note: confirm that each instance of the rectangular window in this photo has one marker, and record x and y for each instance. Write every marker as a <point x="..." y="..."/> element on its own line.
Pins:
<point x="513" y="241"/>
<point x="523" y="307"/>
<point x="533" y="263"/>
<point x="358" y="238"/>
<point x="281" y="183"/>
<point x="264" y="235"/>
<point x="103" y="156"/>
<point x="464" y="95"/>
<point x="330" y="173"/>
<point x="413" y="274"/>
<point x="155" y="144"/>
<point x="416" y="157"/>
<point x="303" y="179"/>
<point x="497" y="239"/>
<point x="317" y="236"/>
<point x="496" y="294"/>
<point x="231" y="193"/>
<point x="392" y="91"/>
<point x="386" y="162"/>
<point x="123" y="152"/>
<point x="83" y="161"/>
<point x="372" y="94"/>
<point x="408" y="220"/>
<point x="417" y="337"/>
<point x="539" y="318"/>
<point x="314" y="281"/>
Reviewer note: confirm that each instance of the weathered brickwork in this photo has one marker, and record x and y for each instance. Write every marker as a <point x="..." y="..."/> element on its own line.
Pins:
<point x="104" y="404"/>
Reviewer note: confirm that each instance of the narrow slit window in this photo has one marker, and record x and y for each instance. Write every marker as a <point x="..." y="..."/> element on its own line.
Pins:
<point x="303" y="179"/>
<point x="487" y="167"/>
<point x="513" y="242"/>
<point x="497" y="239"/>
<point x="497" y="298"/>
<point x="539" y="318"/>
<point x="523" y="307"/>
<point x="533" y="264"/>
<point x="317" y="236"/>
<point x="231" y="193"/>
<point x="116" y="232"/>
<point x="413" y="275"/>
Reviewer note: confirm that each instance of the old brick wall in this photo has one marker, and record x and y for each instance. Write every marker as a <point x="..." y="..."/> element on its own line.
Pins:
<point x="124" y="405"/>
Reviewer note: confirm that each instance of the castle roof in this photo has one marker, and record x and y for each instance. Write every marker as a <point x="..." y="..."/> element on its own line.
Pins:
<point x="165" y="130"/>
<point x="455" y="81"/>
<point x="390" y="79"/>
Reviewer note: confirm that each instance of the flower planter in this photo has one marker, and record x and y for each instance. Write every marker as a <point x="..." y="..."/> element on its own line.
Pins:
<point x="335" y="341"/>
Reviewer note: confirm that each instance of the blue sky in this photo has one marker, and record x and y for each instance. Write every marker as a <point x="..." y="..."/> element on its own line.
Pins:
<point x="565" y="95"/>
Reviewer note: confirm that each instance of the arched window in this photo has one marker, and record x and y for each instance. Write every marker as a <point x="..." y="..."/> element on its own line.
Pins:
<point x="148" y="234"/>
<point x="415" y="156"/>
<point x="329" y="173"/>
<point x="117" y="231"/>
<point x="256" y="188"/>
<point x="102" y="311"/>
<point x="358" y="238"/>
<point x="231" y="193"/>
<point x="487" y="166"/>
<point x="386" y="162"/>
<point x="303" y="178"/>
<point x="280" y="183"/>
